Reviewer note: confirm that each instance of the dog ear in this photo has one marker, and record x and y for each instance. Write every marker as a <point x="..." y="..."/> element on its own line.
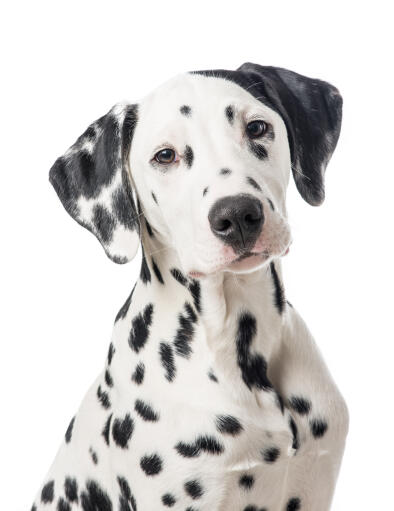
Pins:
<point x="92" y="180"/>
<point x="312" y="112"/>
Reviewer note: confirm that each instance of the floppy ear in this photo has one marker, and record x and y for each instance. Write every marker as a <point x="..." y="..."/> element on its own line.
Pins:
<point x="92" y="180"/>
<point x="312" y="112"/>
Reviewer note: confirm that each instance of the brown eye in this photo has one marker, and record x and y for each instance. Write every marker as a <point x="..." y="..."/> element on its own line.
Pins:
<point x="165" y="156"/>
<point x="256" y="129"/>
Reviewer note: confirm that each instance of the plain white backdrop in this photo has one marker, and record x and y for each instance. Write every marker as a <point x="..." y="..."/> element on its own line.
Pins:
<point x="64" y="64"/>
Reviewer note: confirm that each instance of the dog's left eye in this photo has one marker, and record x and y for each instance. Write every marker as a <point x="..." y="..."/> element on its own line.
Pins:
<point x="256" y="129"/>
<point x="165" y="156"/>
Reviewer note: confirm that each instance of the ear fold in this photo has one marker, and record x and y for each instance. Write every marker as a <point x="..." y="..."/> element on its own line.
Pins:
<point x="92" y="181"/>
<point x="312" y="112"/>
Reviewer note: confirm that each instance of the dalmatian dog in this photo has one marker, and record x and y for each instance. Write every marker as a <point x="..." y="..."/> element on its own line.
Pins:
<point x="213" y="396"/>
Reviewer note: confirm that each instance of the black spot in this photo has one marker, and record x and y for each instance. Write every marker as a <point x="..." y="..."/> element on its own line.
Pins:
<point x="62" y="505"/>
<point x="145" y="275"/>
<point x="229" y="111"/>
<point x="318" y="427"/>
<point x="33" y="508"/>
<point x="93" y="455"/>
<point x="146" y="411"/>
<point x="157" y="272"/>
<point x="122" y="429"/>
<point x="279" y="297"/>
<point x="279" y="402"/>
<point x="253" y="183"/>
<point x="227" y="424"/>
<point x="253" y="366"/>
<point x="195" y="291"/>
<point x="185" y="110"/>
<point x="271" y="204"/>
<point x="106" y="429"/>
<point x="179" y="277"/>
<point x="168" y="500"/>
<point x="121" y="208"/>
<point x="69" y="431"/>
<point x="258" y="150"/>
<point x="225" y="172"/>
<point x="94" y="498"/>
<point x="125" y="307"/>
<point x="300" y="405"/>
<point x="108" y="378"/>
<point x="205" y="191"/>
<point x="154" y="197"/>
<point x="167" y="359"/>
<point x="111" y="352"/>
<point x="190" y="508"/>
<point x="194" y="489"/>
<point x="271" y="454"/>
<point x="71" y="489"/>
<point x="246" y="481"/>
<point x="140" y="328"/>
<point x="294" y="504"/>
<point x="185" y="332"/>
<point x="149" y="228"/>
<point x="203" y="443"/>
<point x="103" y="222"/>
<point x="103" y="398"/>
<point x="212" y="376"/>
<point x="151" y="464"/>
<point x="289" y="304"/>
<point x="139" y="373"/>
<point x="47" y="493"/>
<point x="254" y="508"/>
<point x="189" y="156"/>
<point x="127" y="497"/>
<point x="294" y="431"/>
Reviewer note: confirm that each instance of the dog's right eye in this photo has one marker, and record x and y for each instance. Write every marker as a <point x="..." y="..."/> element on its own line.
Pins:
<point x="165" y="156"/>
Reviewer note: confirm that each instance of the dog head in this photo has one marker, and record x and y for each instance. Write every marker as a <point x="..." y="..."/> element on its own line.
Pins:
<point x="206" y="159"/>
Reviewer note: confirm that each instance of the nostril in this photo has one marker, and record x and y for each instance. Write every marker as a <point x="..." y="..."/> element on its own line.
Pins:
<point x="223" y="225"/>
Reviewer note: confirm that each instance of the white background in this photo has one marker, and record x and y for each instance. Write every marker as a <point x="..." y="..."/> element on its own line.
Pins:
<point x="66" y="63"/>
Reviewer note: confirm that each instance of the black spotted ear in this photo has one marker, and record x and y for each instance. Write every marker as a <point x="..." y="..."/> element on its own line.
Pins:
<point x="312" y="112"/>
<point x="92" y="180"/>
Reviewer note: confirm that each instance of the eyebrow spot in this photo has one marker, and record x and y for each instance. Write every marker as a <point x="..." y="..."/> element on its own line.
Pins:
<point x="254" y="183"/>
<point x="205" y="191"/>
<point x="154" y="197"/>
<point x="185" y="110"/>
<point x="225" y="172"/>
<point x="189" y="156"/>
<point x="229" y="111"/>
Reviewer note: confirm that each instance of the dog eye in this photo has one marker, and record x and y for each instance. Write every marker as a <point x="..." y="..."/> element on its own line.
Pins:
<point x="165" y="156"/>
<point x="256" y="129"/>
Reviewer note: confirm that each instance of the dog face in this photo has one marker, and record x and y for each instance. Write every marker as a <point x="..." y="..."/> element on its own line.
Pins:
<point x="208" y="155"/>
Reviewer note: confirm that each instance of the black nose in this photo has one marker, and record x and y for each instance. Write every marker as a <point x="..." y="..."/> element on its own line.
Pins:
<point x="237" y="220"/>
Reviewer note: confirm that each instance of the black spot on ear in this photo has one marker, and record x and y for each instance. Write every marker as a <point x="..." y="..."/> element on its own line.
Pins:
<point x="253" y="366"/>
<point x="157" y="272"/>
<point x="194" y="489"/>
<point x="318" y="427"/>
<point x="122" y="429"/>
<point x="108" y="378"/>
<point x="205" y="443"/>
<point x="294" y="431"/>
<point x="205" y="191"/>
<point x="69" y="431"/>
<point x="103" y="222"/>
<point x="139" y="373"/>
<point x="93" y="455"/>
<point x="168" y="500"/>
<point x="121" y="208"/>
<point x="212" y="376"/>
<point x="140" y="328"/>
<point x="71" y="489"/>
<point x="151" y="464"/>
<point x="189" y="156"/>
<point x="271" y="204"/>
<point x="185" y="332"/>
<point x="103" y="398"/>
<point x="62" y="505"/>
<point x="229" y="111"/>
<point x="95" y="498"/>
<point x="294" y="504"/>
<point x="127" y="497"/>
<point x="154" y="197"/>
<point x="225" y="172"/>
<point x="279" y="297"/>
<point x="145" y="275"/>
<point x="300" y="405"/>
<point x="125" y="307"/>
<point x="106" y="429"/>
<point x="227" y="424"/>
<point x="253" y="183"/>
<point x="258" y="150"/>
<point x="167" y="360"/>
<point x="178" y="276"/>
<point x="48" y="493"/>
<point x="246" y="481"/>
<point x="111" y="352"/>
<point x="146" y="411"/>
<point x="271" y="454"/>
<point x="185" y="110"/>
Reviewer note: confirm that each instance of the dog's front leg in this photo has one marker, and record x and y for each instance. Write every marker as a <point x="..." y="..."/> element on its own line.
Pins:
<point x="320" y="414"/>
